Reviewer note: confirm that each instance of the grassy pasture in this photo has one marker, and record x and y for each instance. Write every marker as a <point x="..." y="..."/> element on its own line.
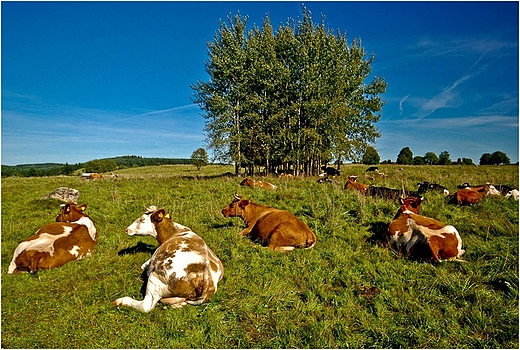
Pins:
<point x="317" y="298"/>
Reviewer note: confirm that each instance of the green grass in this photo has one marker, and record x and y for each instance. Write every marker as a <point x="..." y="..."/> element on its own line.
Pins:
<point x="301" y="299"/>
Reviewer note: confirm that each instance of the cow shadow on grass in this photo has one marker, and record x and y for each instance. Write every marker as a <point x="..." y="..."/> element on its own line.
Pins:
<point x="378" y="230"/>
<point x="140" y="247"/>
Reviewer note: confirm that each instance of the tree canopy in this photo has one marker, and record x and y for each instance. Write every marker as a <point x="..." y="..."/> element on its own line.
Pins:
<point x="294" y="97"/>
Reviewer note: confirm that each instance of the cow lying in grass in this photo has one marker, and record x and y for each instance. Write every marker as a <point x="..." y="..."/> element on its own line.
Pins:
<point x="277" y="229"/>
<point x="423" y="238"/>
<point x="257" y="183"/>
<point x="183" y="270"/>
<point x="72" y="237"/>
<point x="473" y="195"/>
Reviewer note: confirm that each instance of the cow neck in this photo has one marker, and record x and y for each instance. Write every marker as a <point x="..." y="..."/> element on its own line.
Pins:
<point x="255" y="212"/>
<point x="167" y="229"/>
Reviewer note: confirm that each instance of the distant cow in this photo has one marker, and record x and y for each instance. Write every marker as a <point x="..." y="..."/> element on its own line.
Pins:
<point x="423" y="238"/>
<point x="93" y="176"/>
<point x="327" y="179"/>
<point x="496" y="190"/>
<point x="386" y="193"/>
<point x="513" y="194"/>
<point x="428" y="186"/>
<point x="277" y="229"/>
<point x="329" y="171"/>
<point x="473" y="195"/>
<point x="183" y="270"/>
<point x="72" y="237"/>
<point x="286" y="176"/>
<point x="352" y="184"/>
<point x="372" y="168"/>
<point x="258" y="183"/>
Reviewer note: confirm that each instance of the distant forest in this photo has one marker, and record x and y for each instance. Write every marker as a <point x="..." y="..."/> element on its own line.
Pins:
<point x="94" y="166"/>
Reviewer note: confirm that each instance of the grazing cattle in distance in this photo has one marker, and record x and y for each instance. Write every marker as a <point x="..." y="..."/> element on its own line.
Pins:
<point x="258" y="183"/>
<point x="72" y="237"/>
<point x="352" y="184"/>
<point x="286" y="176"/>
<point x="326" y="179"/>
<point x="386" y="193"/>
<point x="472" y="195"/>
<point x="329" y="171"/>
<point x="513" y="194"/>
<point x="495" y="190"/>
<point x="114" y="175"/>
<point x="93" y="176"/>
<point x="422" y="238"/>
<point x="372" y="168"/>
<point x="183" y="269"/>
<point x="277" y="229"/>
<point x="428" y="186"/>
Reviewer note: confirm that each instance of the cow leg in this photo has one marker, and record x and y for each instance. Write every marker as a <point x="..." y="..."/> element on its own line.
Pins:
<point x="174" y="302"/>
<point x="154" y="288"/>
<point x="278" y="241"/>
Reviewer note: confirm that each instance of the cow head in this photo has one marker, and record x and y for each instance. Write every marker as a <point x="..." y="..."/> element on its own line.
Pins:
<point x="143" y="226"/>
<point x="352" y="178"/>
<point x="70" y="212"/>
<point x="412" y="204"/>
<point x="235" y="208"/>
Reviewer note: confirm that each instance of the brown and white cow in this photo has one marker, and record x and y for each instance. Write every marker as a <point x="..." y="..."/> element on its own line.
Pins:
<point x="421" y="237"/>
<point x="473" y="195"/>
<point x="72" y="237"/>
<point x="277" y="229"/>
<point x="183" y="270"/>
<point x="258" y="183"/>
<point x="352" y="184"/>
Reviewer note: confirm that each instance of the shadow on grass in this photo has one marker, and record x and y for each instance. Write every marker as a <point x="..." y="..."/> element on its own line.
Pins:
<point x="378" y="230"/>
<point x="138" y="248"/>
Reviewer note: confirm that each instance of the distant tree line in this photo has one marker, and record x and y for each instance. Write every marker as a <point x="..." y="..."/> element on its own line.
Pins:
<point x="406" y="157"/>
<point x="92" y="166"/>
<point x="288" y="99"/>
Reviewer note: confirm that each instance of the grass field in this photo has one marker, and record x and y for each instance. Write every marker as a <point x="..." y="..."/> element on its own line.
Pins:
<point x="313" y="298"/>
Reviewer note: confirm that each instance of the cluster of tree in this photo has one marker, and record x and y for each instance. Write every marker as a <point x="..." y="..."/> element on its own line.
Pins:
<point x="199" y="158"/>
<point x="295" y="99"/>
<point x="406" y="156"/>
<point x="94" y="166"/>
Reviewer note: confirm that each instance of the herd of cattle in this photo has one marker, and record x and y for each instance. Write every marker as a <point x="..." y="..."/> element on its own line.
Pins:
<point x="184" y="270"/>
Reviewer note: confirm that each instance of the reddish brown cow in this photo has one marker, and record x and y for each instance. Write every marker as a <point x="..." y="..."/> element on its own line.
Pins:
<point x="472" y="195"/>
<point x="72" y="237"/>
<point x="94" y="176"/>
<point x="277" y="229"/>
<point x="258" y="183"/>
<point x="421" y="237"/>
<point x="353" y="185"/>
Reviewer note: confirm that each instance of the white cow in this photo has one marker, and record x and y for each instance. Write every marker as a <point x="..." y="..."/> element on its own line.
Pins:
<point x="183" y="270"/>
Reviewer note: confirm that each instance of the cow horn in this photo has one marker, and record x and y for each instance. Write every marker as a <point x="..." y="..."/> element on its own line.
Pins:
<point x="237" y="197"/>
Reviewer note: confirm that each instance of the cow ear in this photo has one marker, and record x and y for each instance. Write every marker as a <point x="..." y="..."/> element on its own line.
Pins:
<point x="242" y="204"/>
<point x="159" y="215"/>
<point x="82" y="207"/>
<point x="67" y="208"/>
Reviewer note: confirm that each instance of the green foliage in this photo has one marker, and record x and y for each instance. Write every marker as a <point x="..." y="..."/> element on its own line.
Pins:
<point x="295" y="98"/>
<point x="405" y="156"/>
<point x="199" y="158"/>
<point x="371" y="156"/>
<point x="431" y="158"/>
<point x="313" y="298"/>
<point x="444" y="158"/>
<point x="418" y="160"/>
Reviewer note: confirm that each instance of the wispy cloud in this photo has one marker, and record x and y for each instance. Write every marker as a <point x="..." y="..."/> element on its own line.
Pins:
<point x="401" y="104"/>
<point x="447" y="94"/>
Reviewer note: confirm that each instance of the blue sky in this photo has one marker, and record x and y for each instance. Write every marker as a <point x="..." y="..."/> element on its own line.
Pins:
<point x="90" y="80"/>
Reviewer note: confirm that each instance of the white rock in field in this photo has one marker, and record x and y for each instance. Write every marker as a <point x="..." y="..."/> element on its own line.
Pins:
<point x="63" y="194"/>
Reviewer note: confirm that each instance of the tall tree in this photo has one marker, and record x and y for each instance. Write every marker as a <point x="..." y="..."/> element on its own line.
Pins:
<point x="405" y="156"/>
<point x="295" y="97"/>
